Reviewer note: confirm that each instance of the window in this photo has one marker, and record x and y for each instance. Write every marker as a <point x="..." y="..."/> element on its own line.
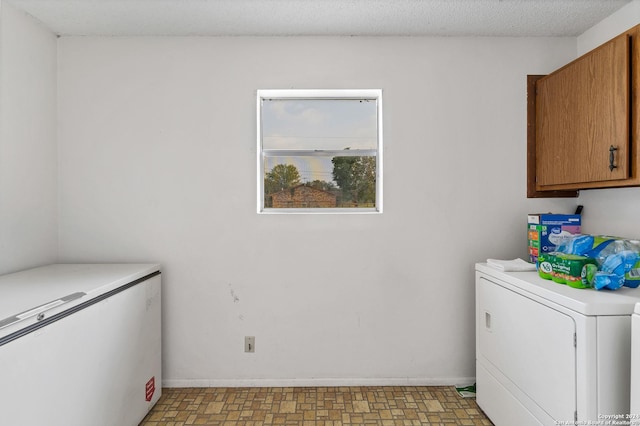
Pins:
<point x="320" y="151"/>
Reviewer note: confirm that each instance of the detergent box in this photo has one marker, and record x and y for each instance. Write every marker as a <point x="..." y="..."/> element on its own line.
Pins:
<point x="545" y="231"/>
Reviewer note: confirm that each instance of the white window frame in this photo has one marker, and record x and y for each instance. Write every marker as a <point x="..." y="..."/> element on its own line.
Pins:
<point x="371" y="94"/>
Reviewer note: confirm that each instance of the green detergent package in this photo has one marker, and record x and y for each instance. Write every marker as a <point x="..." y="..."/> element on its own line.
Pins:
<point x="559" y="268"/>
<point x="588" y="273"/>
<point x="570" y="268"/>
<point x="544" y="265"/>
<point x="581" y="262"/>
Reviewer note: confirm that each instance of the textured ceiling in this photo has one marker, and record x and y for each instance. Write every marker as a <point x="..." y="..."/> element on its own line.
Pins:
<point x="320" y="17"/>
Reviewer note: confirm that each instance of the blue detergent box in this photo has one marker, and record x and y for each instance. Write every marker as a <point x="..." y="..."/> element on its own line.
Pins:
<point x="545" y="231"/>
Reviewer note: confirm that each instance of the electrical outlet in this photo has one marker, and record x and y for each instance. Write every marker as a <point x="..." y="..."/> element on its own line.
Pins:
<point x="249" y="343"/>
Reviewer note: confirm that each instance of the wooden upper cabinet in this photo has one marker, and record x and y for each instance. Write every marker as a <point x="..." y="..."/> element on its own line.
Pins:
<point x="586" y="120"/>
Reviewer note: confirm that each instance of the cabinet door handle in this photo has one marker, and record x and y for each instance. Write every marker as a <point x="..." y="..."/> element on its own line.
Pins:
<point x="612" y="166"/>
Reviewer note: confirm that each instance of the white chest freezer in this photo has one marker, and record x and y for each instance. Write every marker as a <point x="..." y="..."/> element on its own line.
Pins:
<point x="549" y="354"/>
<point x="80" y="344"/>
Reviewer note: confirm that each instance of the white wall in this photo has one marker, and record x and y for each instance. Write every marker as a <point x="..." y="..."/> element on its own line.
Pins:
<point x="620" y="21"/>
<point x="611" y="211"/>
<point x="28" y="153"/>
<point x="157" y="163"/>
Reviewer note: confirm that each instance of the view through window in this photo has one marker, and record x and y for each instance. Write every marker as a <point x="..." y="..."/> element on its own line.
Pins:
<point x="319" y="151"/>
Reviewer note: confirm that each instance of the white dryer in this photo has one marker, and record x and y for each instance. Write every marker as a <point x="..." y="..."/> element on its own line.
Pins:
<point x="635" y="367"/>
<point x="549" y="354"/>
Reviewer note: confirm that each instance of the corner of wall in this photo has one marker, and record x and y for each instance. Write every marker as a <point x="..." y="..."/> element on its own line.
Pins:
<point x="28" y="142"/>
<point x="626" y="17"/>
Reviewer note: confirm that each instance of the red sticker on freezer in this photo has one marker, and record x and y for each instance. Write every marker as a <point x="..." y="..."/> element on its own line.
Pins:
<point x="150" y="389"/>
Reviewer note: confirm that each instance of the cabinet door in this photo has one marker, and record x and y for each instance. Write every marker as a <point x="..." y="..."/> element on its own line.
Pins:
<point x="582" y="118"/>
<point x="531" y="345"/>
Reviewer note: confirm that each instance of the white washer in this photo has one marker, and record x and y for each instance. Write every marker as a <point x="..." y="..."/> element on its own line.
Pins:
<point x="635" y="367"/>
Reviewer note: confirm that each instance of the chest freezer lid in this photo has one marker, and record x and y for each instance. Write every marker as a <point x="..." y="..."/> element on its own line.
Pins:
<point x="637" y="309"/>
<point x="584" y="301"/>
<point x="54" y="288"/>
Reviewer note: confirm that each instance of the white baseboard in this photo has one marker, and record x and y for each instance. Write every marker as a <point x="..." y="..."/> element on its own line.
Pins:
<point x="316" y="382"/>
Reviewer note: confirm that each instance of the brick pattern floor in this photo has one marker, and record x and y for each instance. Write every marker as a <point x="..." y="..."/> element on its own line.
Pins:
<point x="317" y="406"/>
